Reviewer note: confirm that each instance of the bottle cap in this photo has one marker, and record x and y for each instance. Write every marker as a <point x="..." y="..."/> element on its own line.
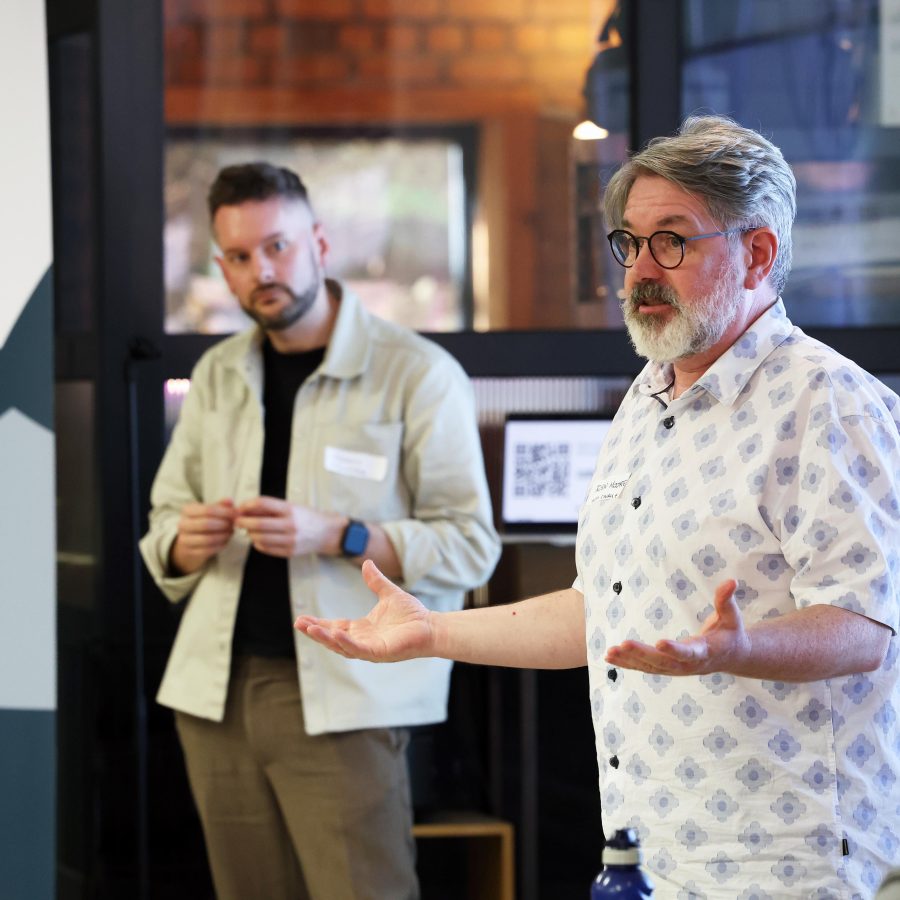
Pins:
<point x="622" y="849"/>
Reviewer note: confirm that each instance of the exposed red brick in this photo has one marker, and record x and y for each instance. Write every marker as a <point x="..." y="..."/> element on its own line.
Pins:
<point x="314" y="37"/>
<point x="270" y="40"/>
<point x="173" y="11"/>
<point x="569" y="9"/>
<point x="401" y="38"/>
<point x="316" y="9"/>
<point x="445" y="38"/>
<point x="235" y="70"/>
<point x="563" y="99"/>
<point x="530" y="38"/>
<point x="503" y="68"/>
<point x="573" y="37"/>
<point x="211" y="10"/>
<point x="489" y="38"/>
<point x="185" y="70"/>
<point x="322" y="67"/>
<point x="182" y="39"/>
<point x="398" y="68"/>
<point x="359" y="38"/>
<point x="508" y="10"/>
<point x="565" y="68"/>
<point x="404" y="9"/>
<point x="224" y="39"/>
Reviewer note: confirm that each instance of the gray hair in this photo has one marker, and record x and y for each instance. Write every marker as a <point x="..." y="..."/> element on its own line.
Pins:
<point x="742" y="178"/>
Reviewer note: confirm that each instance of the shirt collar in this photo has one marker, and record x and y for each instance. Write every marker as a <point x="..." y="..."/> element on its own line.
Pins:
<point x="727" y="376"/>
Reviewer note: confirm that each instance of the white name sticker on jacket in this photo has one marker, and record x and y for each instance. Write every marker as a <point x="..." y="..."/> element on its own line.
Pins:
<point x="609" y="488"/>
<point x="355" y="463"/>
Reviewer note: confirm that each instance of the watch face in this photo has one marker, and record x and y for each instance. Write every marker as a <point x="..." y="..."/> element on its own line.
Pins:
<point x="356" y="539"/>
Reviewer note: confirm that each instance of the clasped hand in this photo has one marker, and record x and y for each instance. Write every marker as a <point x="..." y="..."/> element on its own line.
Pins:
<point x="273" y="526"/>
<point x="279" y="528"/>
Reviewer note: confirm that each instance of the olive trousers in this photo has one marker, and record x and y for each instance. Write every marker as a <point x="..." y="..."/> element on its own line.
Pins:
<point x="287" y="816"/>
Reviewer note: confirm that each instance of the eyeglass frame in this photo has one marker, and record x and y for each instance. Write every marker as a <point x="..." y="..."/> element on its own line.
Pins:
<point x="640" y="240"/>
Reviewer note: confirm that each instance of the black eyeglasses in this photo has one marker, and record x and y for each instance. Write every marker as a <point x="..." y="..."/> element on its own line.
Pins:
<point x="666" y="247"/>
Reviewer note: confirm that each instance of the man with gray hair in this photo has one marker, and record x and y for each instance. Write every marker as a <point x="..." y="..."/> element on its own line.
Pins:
<point x="738" y="556"/>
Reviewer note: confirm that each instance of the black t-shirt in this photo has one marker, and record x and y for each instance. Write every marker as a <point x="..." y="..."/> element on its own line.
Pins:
<point x="264" y="618"/>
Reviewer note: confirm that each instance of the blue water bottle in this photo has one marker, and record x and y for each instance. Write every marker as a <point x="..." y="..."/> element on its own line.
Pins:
<point x="622" y="877"/>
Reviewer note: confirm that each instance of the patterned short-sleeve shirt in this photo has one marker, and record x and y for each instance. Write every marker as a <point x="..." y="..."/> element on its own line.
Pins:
<point x="780" y="468"/>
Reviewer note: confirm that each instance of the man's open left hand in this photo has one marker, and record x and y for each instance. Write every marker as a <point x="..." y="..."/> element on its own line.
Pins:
<point x="721" y="643"/>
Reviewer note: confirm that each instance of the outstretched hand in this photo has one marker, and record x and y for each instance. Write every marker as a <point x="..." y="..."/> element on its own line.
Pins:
<point x="721" y="645"/>
<point x="397" y="627"/>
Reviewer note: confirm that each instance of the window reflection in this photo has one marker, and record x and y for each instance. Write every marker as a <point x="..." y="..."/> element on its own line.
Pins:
<point x="394" y="210"/>
<point x="809" y="74"/>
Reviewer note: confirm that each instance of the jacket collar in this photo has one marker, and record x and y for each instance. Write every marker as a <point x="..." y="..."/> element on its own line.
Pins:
<point x="349" y="347"/>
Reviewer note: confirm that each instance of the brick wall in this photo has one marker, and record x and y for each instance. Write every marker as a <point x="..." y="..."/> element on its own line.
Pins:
<point x="539" y="46"/>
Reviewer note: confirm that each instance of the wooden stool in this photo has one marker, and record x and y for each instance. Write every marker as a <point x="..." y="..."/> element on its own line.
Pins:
<point x="489" y="851"/>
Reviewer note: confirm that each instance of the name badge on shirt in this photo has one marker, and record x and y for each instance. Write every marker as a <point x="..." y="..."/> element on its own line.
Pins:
<point x="609" y="488"/>
<point x="356" y="463"/>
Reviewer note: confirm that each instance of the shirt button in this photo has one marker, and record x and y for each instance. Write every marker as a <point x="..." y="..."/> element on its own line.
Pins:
<point x="669" y="421"/>
<point x="617" y="587"/>
<point x="636" y="502"/>
<point x="614" y="762"/>
<point x="612" y="674"/>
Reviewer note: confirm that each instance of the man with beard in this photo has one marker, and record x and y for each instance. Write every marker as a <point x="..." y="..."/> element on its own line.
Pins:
<point x="738" y="556"/>
<point x="318" y="436"/>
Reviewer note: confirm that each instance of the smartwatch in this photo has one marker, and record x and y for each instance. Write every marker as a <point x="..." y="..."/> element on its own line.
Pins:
<point x="355" y="539"/>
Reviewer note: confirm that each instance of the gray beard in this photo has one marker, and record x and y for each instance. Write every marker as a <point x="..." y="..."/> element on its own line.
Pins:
<point x="693" y="329"/>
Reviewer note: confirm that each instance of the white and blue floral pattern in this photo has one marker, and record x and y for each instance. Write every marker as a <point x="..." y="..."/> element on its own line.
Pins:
<point x="779" y="468"/>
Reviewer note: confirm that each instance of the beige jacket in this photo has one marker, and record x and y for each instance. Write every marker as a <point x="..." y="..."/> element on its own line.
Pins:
<point x="385" y="431"/>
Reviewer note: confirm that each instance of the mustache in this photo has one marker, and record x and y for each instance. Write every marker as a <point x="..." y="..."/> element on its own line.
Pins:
<point x="651" y="291"/>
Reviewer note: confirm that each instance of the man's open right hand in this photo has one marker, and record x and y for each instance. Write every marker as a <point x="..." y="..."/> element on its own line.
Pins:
<point x="397" y="627"/>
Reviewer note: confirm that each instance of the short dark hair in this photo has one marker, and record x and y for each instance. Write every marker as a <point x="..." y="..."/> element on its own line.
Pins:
<point x="254" y="181"/>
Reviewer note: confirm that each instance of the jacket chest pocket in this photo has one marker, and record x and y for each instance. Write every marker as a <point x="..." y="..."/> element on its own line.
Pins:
<point x="355" y="470"/>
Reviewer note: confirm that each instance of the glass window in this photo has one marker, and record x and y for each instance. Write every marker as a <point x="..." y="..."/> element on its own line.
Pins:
<point x="813" y="76"/>
<point x="394" y="210"/>
<point x="511" y="74"/>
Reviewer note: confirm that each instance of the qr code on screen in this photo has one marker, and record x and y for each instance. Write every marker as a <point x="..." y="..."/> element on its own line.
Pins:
<point x="542" y="470"/>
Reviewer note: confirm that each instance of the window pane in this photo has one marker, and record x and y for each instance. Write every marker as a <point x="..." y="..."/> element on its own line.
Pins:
<point x="394" y="211"/>
<point x="810" y="75"/>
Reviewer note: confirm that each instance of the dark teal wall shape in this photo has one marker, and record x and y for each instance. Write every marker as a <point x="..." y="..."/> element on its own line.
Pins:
<point x="26" y="360"/>
<point x="27" y="804"/>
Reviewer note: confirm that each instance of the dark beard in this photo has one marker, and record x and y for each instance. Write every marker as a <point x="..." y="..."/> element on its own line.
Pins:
<point x="299" y="305"/>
